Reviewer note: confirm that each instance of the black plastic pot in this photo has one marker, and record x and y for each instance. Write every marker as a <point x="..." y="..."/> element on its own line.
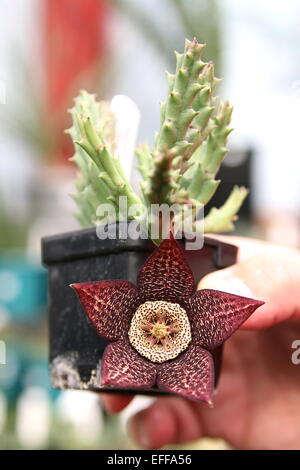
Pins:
<point x="75" y="347"/>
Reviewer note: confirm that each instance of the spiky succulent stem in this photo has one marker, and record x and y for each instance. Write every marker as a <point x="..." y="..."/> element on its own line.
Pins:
<point x="221" y="220"/>
<point x="101" y="179"/>
<point x="182" y="166"/>
<point x="191" y="143"/>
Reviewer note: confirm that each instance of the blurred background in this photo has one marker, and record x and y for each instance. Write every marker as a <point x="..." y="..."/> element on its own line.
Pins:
<point x="49" y="50"/>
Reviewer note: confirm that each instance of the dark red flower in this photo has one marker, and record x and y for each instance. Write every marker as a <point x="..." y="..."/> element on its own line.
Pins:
<point x="163" y="331"/>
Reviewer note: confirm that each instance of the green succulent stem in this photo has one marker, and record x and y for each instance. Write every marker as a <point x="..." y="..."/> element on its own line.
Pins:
<point x="191" y="143"/>
<point x="181" y="167"/>
<point x="101" y="179"/>
<point x="221" y="220"/>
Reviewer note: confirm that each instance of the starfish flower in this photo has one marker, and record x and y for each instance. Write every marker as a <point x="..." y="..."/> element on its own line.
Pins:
<point x="162" y="332"/>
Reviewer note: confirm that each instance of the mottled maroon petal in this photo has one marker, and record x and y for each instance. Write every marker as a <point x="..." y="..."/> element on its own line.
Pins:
<point x="215" y="315"/>
<point x="166" y="275"/>
<point x="123" y="367"/>
<point x="109" y="306"/>
<point x="190" y="375"/>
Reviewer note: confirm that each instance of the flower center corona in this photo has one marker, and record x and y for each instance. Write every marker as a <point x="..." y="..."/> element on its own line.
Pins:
<point x="160" y="330"/>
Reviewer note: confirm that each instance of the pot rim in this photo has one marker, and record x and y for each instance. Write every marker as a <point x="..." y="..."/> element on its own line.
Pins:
<point x="84" y="243"/>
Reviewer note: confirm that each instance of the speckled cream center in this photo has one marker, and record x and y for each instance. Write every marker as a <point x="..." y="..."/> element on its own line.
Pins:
<point x="160" y="330"/>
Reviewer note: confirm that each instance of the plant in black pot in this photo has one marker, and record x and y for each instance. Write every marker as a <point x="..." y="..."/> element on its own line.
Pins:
<point x="125" y="315"/>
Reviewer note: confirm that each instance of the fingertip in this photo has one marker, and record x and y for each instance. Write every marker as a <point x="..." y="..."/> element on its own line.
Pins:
<point x="170" y="420"/>
<point x="226" y="280"/>
<point x="153" y="427"/>
<point x="263" y="318"/>
<point x="115" y="403"/>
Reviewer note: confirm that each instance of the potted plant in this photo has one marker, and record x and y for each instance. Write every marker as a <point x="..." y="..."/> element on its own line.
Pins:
<point x="137" y="322"/>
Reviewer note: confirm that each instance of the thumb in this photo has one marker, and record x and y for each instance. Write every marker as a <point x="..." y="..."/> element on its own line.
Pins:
<point x="271" y="275"/>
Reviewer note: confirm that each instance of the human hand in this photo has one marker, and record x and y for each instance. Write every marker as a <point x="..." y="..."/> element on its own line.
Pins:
<point x="257" y="405"/>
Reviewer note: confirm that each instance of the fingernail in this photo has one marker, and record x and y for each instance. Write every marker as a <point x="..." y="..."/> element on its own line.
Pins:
<point x="139" y="432"/>
<point x="226" y="283"/>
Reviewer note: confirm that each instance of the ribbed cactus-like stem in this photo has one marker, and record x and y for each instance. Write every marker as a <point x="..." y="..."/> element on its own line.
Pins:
<point x="191" y="142"/>
<point x="221" y="220"/>
<point x="184" y="122"/>
<point x="101" y="179"/>
<point x="181" y="168"/>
